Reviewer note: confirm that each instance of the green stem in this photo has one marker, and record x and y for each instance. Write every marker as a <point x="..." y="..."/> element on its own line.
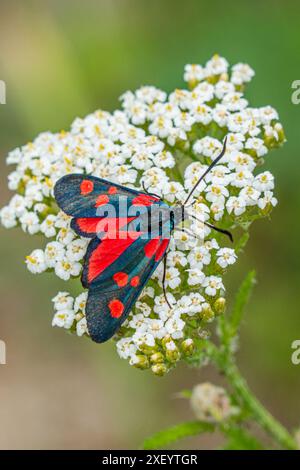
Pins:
<point x="251" y="403"/>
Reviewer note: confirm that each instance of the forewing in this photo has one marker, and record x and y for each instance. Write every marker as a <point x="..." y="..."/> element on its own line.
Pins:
<point x="89" y="200"/>
<point x="81" y="195"/>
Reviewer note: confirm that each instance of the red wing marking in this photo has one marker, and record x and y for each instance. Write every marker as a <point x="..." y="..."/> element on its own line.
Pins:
<point x="120" y="279"/>
<point x="86" y="187"/>
<point x="151" y="247"/>
<point x="102" y="200"/>
<point x="161" y="249"/>
<point x="135" y="281"/>
<point x="116" y="308"/>
<point x="143" y="200"/>
<point x="112" y="190"/>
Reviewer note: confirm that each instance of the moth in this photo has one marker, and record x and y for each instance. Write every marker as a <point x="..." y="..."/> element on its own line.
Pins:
<point x="130" y="233"/>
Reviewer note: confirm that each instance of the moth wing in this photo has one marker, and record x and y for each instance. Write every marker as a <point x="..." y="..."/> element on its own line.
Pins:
<point x="112" y="296"/>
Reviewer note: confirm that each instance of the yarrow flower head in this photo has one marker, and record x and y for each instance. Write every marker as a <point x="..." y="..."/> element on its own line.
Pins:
<point x="164" y="143"/>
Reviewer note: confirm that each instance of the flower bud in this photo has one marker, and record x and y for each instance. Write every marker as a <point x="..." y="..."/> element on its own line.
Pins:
<point x="211" y="403"/>
<point x="159" y="369"/>
<point x="204" y="334"/>
<point x="140" y="362"/>
<point x="157" y="358"/>
<point x="148" y="350"/>
<point x="220" y="305"/>
<point x="207" y="313"/>
<point x="188" y="347"/>
<point x="172" y="352"/>
<point x="279" y="129"/>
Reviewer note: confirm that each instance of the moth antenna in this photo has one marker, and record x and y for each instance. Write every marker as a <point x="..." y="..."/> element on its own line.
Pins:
<point x="221" y="230"/>
<point x="207" y="171"/>
<point x="213" y="227"/>
<point x="150" y="194"/>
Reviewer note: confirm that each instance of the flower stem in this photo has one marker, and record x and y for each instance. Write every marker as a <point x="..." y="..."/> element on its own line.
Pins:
<point x="262" y="416"/>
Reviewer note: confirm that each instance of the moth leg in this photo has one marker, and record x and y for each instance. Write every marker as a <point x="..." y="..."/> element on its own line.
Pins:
<point x="164" y="280"/>
<point x="150" y="194"/>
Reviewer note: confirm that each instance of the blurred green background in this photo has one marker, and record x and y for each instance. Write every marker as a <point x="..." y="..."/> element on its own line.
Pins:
<point x="62" y="59"/>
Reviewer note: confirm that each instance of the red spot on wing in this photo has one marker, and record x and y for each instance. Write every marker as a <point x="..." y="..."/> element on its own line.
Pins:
<point x="120" y="279"/>
<point x="112" y="190"/>
<point x="116" y="308"/>
<point x="161" y="249"/>
<point x="101" y="200"/>
<point x="143" y="200"/>
<point x="151" y="247"/>
<point x="107" y="252"/>
<point x="135" y="281"/>
<point x="86" y="187"/>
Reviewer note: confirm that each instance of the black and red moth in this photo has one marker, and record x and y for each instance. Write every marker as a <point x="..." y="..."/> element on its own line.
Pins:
<point x="117" y="267"/>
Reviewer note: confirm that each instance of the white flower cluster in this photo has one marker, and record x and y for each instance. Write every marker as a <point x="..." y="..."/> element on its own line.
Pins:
<point x="165" y="143"/>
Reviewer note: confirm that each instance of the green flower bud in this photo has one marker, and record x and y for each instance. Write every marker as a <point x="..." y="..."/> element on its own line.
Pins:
<point x="159" y="369"/>
<point x="149" y="350"/>
<point x="220" y="305"/>
<point x="157" y="358"/>
<point x="207" y="314"/>
<point x="172" y="352"/>
<point x="166" y="340"/>
<point x="188" y="347"/>
<point x="140" y="362"/>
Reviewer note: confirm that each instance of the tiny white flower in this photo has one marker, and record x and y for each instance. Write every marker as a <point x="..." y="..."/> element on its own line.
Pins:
<point x="81" y="327"/>
<point x="199" y="257"/>
<point x="142" y="338"/>
<point x="65" y="269"/>
<point x="126" y="348"/>
<point x="264" y="181"/>
<point x="258" y="145"/>
<point x="30" y="222"/>
<point x="54" y="252"/>
<point x="62" y="301"/>
<point x="196" y="276"/>
<point x="80" y="302"/>
<point x="48" y="226"/>
<point x="174" y="326"/>
<point x="241" y="73"/>
<point x="172" y="278"/>
<point x="212" y="285"/>
<point x="8" y="217"/>
<point x="63" y="319"/>
<point x="156" y="328"/>
<point x="138" y="323"/>
<point x="225" y="257"/>
<point x="76" y="249"/>
<point x="236" y="205"/>
<point x="267" y="199"/>
<point x="36" y="262"/>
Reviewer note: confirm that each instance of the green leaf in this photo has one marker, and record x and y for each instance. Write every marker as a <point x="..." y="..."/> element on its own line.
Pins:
<point x="241" y="300"/>
<point x="239" y="439"/>
<point x="173" y="434"/>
